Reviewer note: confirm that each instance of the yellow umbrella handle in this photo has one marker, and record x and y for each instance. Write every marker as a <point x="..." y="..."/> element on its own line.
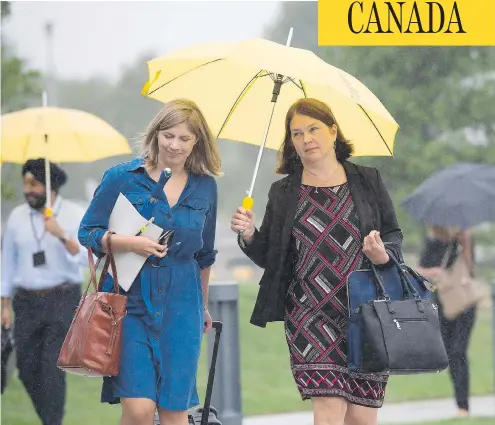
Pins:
<point x="248" y="203"/>
<point x="48" y="212"/>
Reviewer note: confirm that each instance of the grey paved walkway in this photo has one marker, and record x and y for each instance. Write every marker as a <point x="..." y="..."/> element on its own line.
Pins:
<point x="392" y="413"/>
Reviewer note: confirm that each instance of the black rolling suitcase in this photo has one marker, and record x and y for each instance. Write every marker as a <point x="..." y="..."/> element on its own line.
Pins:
<point x="206" y="415"/>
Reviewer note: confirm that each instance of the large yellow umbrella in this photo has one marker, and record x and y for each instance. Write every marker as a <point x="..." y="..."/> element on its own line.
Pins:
<point x="59" y="135"/>
<point x="238" y="84"/>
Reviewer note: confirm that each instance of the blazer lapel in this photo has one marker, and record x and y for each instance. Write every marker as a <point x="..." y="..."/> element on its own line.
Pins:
<point x="290" y="197"/>
<point x="360" y="198"/>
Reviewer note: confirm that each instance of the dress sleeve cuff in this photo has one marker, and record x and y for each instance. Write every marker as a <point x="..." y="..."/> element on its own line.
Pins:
<point x="389" y="263"/>
<point x="93" y="241"/>
<point x="243" y="245"/>
<point x="206" y="259"/>
<point x="386" y="265"/>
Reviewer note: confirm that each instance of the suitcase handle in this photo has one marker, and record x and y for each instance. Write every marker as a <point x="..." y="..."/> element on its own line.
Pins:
<point x="218" y="326"/>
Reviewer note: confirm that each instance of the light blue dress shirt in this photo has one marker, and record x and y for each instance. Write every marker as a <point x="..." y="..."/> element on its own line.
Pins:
<point x="24" y="235"/>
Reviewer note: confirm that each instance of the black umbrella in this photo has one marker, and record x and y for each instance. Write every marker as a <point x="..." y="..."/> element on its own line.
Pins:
<point x="462" y="195"/>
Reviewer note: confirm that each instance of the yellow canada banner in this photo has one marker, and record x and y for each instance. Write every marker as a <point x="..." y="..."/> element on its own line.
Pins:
<point x="406" y="23"/>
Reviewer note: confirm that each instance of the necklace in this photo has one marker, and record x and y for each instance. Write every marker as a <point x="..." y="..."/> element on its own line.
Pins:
<point x="325" y="182"/>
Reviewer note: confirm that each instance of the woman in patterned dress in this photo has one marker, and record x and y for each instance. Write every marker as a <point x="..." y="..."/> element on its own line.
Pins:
<point x="327" y="218"/>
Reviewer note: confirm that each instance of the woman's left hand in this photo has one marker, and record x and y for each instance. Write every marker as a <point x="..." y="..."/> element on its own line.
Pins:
<point x="207" y="321"/>
<point x="374" y="248"/>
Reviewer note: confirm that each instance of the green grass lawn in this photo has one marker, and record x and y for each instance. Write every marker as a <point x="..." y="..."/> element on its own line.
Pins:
<point x="267" y="384"/>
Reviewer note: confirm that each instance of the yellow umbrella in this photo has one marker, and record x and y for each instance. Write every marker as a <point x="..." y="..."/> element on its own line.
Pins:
<point x="238" y="84"/>
<point x="60" y="135"/>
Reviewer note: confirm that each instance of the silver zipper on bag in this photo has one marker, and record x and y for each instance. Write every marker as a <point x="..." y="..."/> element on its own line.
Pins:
<point x="419" y="319"/>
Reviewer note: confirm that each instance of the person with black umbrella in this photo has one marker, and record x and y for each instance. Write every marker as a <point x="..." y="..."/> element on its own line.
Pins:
<point x="443" y="246"/>
<point x="451" y="202"/>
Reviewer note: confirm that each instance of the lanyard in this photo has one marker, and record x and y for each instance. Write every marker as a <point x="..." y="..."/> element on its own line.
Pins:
<point x="40" y="238"/>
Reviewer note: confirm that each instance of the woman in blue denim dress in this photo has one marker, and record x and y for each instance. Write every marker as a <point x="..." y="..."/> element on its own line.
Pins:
<point x="166" y="312"/>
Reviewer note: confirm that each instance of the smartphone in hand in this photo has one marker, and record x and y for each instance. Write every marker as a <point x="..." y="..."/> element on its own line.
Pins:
<point x="166" y="237"/>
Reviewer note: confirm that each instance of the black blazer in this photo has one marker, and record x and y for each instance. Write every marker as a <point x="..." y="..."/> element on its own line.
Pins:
<point x="271" y="247"/>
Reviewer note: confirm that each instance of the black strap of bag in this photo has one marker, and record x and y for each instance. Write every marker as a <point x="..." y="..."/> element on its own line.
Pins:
<point x="408" y="289"/>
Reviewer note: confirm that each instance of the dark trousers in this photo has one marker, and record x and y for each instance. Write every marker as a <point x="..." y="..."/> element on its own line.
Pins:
<point x="456" y="334"/>
<point x="42" y="320"/>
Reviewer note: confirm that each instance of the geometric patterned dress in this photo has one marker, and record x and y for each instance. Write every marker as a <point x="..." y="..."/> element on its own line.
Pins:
<point x="327" y="243"/>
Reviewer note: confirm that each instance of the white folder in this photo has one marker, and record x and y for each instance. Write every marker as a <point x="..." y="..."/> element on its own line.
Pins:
<point x="125" y="220"/>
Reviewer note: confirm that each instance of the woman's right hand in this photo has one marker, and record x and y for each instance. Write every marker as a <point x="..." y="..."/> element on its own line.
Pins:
<point x="243" y="221"/>
<point x="146" y="247"/>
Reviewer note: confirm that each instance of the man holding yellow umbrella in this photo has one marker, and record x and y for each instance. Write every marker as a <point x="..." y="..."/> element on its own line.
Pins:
<point x="58" y="135"/>
<point x="42" y="260"/>
<point x="327" y="218"/>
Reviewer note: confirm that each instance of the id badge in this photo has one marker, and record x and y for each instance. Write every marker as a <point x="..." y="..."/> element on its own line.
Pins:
<point x="39" y="259"/>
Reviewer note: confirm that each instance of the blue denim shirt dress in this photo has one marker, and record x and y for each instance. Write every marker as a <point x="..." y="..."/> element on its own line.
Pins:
<point x="164" y="325"/>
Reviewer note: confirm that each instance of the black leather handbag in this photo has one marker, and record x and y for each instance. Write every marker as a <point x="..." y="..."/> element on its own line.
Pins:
<point x="401" y="336"/>
<point x="362" y="288"/>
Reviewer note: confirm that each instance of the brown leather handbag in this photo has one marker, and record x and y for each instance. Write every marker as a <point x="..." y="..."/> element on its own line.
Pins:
<point x="93" y="344"/>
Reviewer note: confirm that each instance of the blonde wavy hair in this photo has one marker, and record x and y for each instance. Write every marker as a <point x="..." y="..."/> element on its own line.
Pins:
<point x="204" y="158"/>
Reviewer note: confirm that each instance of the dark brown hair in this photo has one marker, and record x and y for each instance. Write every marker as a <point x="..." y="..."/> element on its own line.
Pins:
<point x="289" y="161"/>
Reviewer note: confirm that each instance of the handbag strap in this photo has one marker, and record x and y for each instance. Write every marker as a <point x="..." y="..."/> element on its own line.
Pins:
<point x="92" y="272"/>
<point x="407" y="287"/>
<point x="110" y="261"/>
<point x="446" y="256"/>
<point x="380" y="286"/>
<point x="114" y="267"/>
<point x="406" y="283"/>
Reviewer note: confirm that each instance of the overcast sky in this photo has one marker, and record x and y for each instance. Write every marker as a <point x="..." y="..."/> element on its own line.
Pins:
<point x="102" y="37"/>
